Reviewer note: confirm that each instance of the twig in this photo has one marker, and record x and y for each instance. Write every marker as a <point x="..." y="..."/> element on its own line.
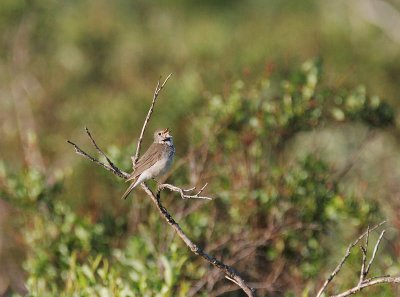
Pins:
<point x="362" y="283"/>
<point x="364" y="250"/>
<point x="114" y="169"/>
<point x="375" y="277"/>
<point x="146" y="121"/>
<point x="100" y="151"/>
<point x="183" y="192"/>
<point x="369" y="283"/>
<point x="366" y="239"/>
<point x="347" y="254"/>
<point x="229" y="271"/>
<point x="364" y="259"/>
<point x="374" y="252"/>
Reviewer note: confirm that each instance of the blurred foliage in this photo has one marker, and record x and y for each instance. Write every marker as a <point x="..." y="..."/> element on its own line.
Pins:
<point x="285" y="215"/>
<point x="237" y="103"/>
<point x="247" y="131"/>
<point x="71" y="256"/>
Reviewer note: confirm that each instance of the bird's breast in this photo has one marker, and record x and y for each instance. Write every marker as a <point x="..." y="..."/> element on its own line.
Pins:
<point x="164" y="164"/>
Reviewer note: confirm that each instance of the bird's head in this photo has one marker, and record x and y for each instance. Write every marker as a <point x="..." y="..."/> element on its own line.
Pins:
<point x="163" y="136"/>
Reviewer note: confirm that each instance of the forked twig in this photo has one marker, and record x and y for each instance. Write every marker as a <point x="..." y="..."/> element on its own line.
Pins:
<point x="112" y="168"/>
<point x="362" y="283"/>
<point x="227" y="270"/>
<point x="369" y="283"/>
<point x="100" y="151"/>
<point x="183" y="192"/>
<point x="347" y="254"/>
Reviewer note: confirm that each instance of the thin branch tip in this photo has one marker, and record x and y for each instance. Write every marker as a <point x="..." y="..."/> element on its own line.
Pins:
<point x="169" y="75"/>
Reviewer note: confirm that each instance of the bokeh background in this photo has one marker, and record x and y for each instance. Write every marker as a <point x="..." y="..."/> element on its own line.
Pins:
<point x="288" y="109"/>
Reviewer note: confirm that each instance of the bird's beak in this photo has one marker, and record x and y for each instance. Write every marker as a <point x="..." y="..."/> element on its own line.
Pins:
<point x="166" y="134"/>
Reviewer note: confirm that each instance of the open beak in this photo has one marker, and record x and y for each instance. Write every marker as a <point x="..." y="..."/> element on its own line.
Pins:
<point x="166" y="134"/>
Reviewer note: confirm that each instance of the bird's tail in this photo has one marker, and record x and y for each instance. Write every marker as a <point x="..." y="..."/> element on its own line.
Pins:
<point x="129" y="190"/>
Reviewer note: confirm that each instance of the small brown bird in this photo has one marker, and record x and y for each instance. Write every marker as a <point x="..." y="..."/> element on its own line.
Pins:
<point x="155" y="162"/>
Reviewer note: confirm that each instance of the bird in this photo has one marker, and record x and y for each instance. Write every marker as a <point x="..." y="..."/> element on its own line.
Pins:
<point x="155" y="162"/>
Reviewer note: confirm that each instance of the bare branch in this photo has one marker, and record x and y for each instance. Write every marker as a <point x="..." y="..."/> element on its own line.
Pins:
<point x="374" y="252"/>
<point x="363" y="283"/>
<point x="366" y="239"/>
<point x="183" y="192"/>
<point x="364" y="250"/>
<point x="114" y="169"/>
<point x="364" y="259"/>
<point x="227" y="270"/>
<point x="100" y="151"/>
<point x="146" y="121"/>
<point x="369" y="283"/>
<point x="347" y="254"/>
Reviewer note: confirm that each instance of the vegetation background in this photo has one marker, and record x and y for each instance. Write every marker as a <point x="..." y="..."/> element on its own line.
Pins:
<point x="287" y="108"/>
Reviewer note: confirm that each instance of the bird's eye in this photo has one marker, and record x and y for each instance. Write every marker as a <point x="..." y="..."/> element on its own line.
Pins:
<point x="159" y="133"/>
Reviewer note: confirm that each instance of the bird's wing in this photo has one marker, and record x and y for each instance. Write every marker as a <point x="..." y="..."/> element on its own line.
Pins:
<point x="150" y="157"/>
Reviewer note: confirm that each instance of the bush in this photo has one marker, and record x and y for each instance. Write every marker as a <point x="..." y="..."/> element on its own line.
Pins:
<point x="274" y="219"/>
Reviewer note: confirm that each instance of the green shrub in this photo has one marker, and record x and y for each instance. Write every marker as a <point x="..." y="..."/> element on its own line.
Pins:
<point x="272" y="216"/>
